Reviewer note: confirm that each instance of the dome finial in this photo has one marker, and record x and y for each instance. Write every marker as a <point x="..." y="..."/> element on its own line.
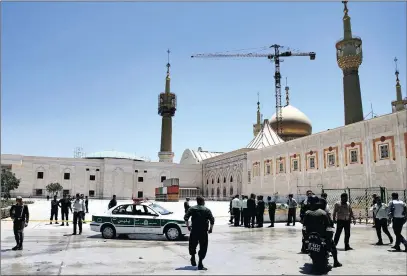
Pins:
<point x="168" y="79"/>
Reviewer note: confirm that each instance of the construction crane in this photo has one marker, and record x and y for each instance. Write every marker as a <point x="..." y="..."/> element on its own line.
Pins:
<point x="273" y="57"/>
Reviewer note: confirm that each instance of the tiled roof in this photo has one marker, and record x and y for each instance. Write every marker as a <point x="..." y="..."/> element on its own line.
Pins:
<point x="265" y="138"/>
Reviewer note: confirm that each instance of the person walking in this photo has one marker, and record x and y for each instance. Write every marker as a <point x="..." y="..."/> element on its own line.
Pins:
<point x="236" y="210"/>
<point x="54" y="210"/>
<point x="20" y="215"/>
<point x="186" y="205"/>
<point x="78" y="209"/>
<point x="112" y="203"/>
<point x="65" y="204"/>
<point x="292" y="210"/>
<point x="272" y="206"/>
<point x="87" y="204"/>
<point x="245" y="213"/>
<point x="251" y="209"/>
<point x="342" y="215"/>
<point x="398" y="213"/>
<point x="200" y="216"/>
<point x="374" y="201"/>
<point x="380" y="213"/>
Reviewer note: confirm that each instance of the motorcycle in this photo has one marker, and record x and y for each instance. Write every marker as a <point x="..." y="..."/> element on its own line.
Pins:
<point x="318" y="252"/>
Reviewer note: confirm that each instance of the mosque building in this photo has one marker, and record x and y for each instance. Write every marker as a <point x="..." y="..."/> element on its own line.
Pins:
<point x="361" y="154"/>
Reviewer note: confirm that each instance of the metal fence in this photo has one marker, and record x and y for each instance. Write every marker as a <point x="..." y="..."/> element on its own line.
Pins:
<point x="361" y="200"/>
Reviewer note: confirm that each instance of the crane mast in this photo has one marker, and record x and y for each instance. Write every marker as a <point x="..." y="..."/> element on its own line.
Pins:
<point x="273" y="57"/>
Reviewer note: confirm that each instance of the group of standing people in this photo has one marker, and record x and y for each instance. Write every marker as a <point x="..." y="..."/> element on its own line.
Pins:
<point x="78" y="207"/>
<point x="245" y="211"/>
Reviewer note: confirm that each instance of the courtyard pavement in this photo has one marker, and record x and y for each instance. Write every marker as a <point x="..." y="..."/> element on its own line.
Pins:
<point x="51" y="250"/>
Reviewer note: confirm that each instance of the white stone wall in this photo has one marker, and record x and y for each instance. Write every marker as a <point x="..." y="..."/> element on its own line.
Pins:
<point x="368" y="171"/>
<point x="112" y="176"/>
<point x="224" y="174"/>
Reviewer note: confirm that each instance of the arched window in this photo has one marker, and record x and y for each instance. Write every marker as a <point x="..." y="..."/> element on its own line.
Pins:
<point x="212" y="180"/>
<point x="213" y="192"/>
<point x="231" y="190"/>
<point x="207" y="181"/>
<point x="218" y="192"/>
<point x="224" y="179"/>
<point x="218" y="179"/>
<point x="231" y="179"/>
<point x="224" y="191"/>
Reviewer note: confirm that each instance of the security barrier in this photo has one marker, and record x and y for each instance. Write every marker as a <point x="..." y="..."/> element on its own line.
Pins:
<point x="361" y="200"/>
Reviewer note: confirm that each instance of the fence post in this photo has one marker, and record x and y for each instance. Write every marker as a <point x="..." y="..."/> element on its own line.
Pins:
<point x="366" y="208"/>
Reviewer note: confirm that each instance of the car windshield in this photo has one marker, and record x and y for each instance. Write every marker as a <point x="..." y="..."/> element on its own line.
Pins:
<point x="159" y="209"/>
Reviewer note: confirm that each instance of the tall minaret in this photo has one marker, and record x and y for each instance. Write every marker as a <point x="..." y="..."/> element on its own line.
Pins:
<point x="167" y="105"/>
<point x="349" y="57"/>
<point x="258" y="125"/>
<point x="399" y="104"/>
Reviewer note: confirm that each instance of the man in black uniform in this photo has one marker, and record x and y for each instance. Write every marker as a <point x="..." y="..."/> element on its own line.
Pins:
<point x="65" y="205"/>
<point x="112" y="202"/>
<point x="304" y="207"/>
<point x="87" y="204"/>
<point x="260" y="211"/>
<point x="272" y="206"/>
<point x="20" y="215"/>
<point x="374" y="201"/>
<point x="317" y="220"/>
<point x="200" y="215"/>
<point x="251" y="209"/>
<point x="54" y="210"/>
<point x="186" y="205"/>
<point x="231" y="211"/>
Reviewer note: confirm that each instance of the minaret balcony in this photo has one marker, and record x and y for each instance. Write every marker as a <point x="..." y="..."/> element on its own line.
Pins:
<point x="167" y="104"/>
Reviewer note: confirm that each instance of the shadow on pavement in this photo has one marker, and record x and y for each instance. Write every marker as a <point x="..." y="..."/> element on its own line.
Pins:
<point x="188" y="267"/>
<point x="307" y="269"/>
<point x="139" y="237"/>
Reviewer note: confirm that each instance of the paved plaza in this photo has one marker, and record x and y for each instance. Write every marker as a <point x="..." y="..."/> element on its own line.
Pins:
<point x="51" y="250"/>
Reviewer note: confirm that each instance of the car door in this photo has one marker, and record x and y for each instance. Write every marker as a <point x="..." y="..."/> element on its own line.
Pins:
<point x="123" y="219"/>
<point x="147" y="221"/>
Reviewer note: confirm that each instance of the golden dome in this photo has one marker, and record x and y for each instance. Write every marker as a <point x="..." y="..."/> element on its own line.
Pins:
<point x="295" y="124"/>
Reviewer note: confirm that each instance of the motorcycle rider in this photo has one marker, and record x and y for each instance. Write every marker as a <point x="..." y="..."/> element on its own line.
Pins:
<point x="316" y="220"/>
<point x="304" y="207"/>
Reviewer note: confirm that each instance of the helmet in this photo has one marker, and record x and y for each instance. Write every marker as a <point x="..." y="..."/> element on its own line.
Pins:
<point x="313" y="199"/>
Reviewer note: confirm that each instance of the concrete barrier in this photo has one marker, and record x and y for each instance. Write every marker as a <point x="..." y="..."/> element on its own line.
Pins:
<point x="5" y="212"/>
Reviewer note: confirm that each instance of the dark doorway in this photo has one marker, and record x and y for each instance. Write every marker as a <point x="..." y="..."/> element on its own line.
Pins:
<point x="140" y="194"/>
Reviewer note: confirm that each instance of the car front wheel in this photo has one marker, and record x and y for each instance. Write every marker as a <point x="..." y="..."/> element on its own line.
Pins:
<point x="108" y="232"/>
<point x="172" y="233"/>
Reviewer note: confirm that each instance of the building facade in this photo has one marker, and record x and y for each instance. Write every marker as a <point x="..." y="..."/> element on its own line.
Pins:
<point x="98" y="178"/>
<point x="366" y="154"/>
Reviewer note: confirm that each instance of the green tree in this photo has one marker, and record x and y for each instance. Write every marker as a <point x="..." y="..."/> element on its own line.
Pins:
<point x="54" y="188"/>
<point x="9" y="182"/>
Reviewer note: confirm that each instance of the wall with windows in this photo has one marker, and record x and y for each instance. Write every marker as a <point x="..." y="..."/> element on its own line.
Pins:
<point x="99" y="178"/>
<point x="371" y="153"/>
<point x="223" y="175"/>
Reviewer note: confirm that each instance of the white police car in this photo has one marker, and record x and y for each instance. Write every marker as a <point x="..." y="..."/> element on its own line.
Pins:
<point x="139" y="218"/>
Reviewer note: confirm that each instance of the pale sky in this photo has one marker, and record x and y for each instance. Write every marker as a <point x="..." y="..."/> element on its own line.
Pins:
<point x="89" y="74"/>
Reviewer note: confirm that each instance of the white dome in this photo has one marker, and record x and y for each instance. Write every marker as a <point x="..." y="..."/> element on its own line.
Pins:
<point x="113" y="154"/>
<point x="291" y="113"/>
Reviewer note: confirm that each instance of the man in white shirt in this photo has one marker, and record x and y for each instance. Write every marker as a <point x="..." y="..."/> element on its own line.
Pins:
<point x="398" y="213"/>
<point x="244" y="212"/>
<point x="236" y="206"/>
<point x="380" y="213"/>
<point x="78" y="207"/>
